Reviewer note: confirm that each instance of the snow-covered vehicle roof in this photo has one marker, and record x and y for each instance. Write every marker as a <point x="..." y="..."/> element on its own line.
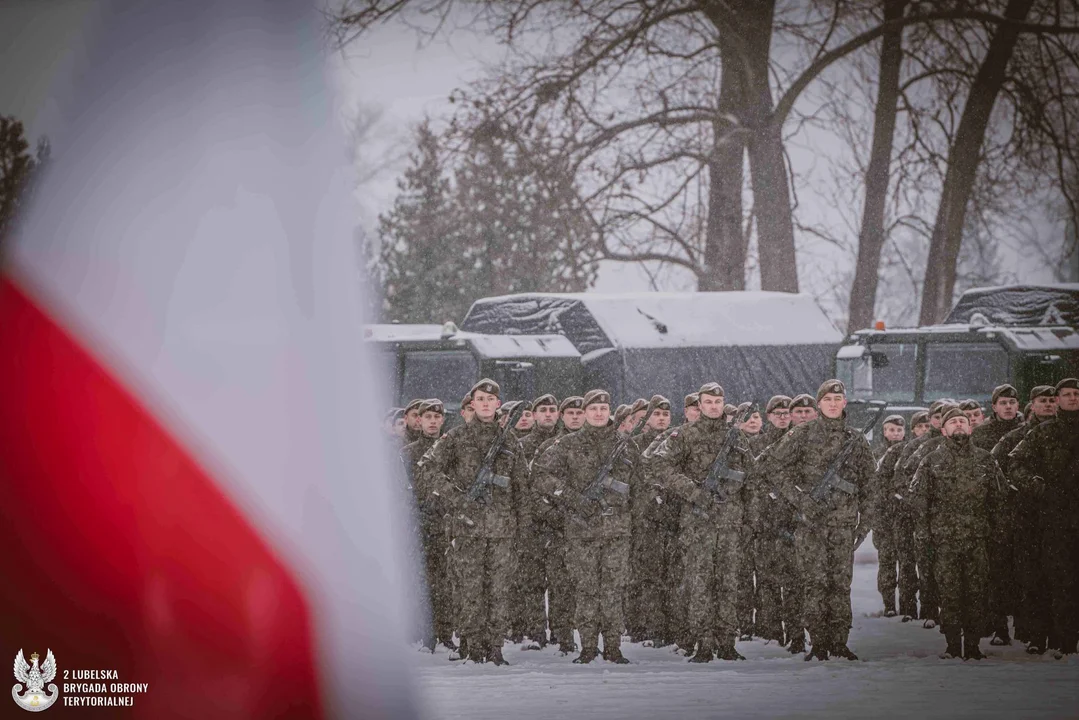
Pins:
<point x="593" y="321"/>
<point x="487" y="346"/>
<point x="1019" y="305"/>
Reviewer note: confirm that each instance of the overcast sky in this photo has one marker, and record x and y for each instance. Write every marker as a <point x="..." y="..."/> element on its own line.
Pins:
<point x="387" y="73"/>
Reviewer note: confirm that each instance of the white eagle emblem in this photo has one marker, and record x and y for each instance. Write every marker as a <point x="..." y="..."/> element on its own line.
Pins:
<point x="35" y="698"/>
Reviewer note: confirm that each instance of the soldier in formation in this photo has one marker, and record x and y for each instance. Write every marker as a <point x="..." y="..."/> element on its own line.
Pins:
<point x="725" y="527"/>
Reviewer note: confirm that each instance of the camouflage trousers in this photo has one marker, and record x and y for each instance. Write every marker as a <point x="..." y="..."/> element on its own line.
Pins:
<point x="483" y="571"/>
<point x="780" y="587"/>
<point x="653" y="560"/>
<point x="961" y="566"/>
<point x="894" y="539"/>
<point x="600" y="569"/>
<point x="826" y="565"/>
<point x="436" y="574"/>
<point x="711" y="558"/>
<point x="544" y="580"/>
<point x="928" y="591"/>
<point x="748" y="599"/>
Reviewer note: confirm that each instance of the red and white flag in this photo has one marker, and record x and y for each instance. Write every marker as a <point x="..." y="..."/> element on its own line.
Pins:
<point x="192" y="489"/>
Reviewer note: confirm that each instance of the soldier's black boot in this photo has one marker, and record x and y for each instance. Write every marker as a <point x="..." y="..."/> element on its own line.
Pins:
<point x="798" y="644"/>
<point x="494" y="656"/>
<point x="725" y="650"/>
<point x="1001" y="637"/>
<point x="819" y="651"/>
<point x="706" y="650"/>
<point x="614" y="655"/>
<point x="461" y="653"/>
<point x="587" y="655"/>
<point x="841" y="650"/>
<point x="955" y="644"/>
<point x="971" y="651"/>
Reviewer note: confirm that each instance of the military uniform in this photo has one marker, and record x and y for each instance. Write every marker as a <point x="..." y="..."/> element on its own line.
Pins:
<point x="957" y="490"/>
<point x="989" y="433"/>
<point x="1046" y="465"/>
<point x="434" y="544"/>
<point x="597" y="533"/>
<point x="710" y="529"/>
<point x="824" y="541"/>
<point x="893" y="536"/>
<point x="483" y="531"/>
<point x="530" y="617"/>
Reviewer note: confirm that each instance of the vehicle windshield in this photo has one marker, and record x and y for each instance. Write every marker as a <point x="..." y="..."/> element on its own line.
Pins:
<point x="438" y="374"/>
<point x="885" y="371"/>
<point x="964" y="370"/>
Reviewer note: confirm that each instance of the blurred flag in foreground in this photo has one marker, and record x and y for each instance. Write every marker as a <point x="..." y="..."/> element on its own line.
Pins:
<point x="192" y="495"/>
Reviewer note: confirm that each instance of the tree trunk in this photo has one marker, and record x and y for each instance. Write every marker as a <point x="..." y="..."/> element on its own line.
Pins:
<point x="767" y="164"/>
<point x="863" y="292"/>
<point x="725" y="245"/>
<point x="963" y="159"/>
<point x="747" y="25"/>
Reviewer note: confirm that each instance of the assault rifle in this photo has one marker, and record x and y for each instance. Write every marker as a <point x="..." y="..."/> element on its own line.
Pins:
<point x="486" y="477"/>
<point x="720" y="475"/>
<point x="832" y="480"/>
<point x="604" y="481"/>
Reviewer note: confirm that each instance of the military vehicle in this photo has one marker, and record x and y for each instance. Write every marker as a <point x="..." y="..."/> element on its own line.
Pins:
<point x="1025" y="335"/>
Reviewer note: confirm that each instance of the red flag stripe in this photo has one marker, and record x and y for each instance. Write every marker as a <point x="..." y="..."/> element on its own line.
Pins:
<point x="120" y="550"/>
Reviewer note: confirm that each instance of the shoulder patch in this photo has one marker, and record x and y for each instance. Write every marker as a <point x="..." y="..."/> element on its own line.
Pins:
<point x="674" y="434"/>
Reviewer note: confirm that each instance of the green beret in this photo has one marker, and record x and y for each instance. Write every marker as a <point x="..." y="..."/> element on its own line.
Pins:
<point x="542" y="400"/>
<point x="1068" y="384"/>
<point x="573" y="401"/>
<point x="1004" y="391"/>
<point x="969" y="405"/>
<point x="712" y="388"/>
<point x="596" y="397"/>
<point x="777" y="402"/>
<point x="638" y="405"/>
<point x="621" y="414"/>
<point x="658" y="402"/>
<point x="466" y="401"/>
<point x="432" y="405"/>
<point x="894" y="420"/>
<point x="692" y="400"/>
<point x="1042" y="391"/>
<point x="485" y="385"/>
<point x="413" y="405"/>
<point x="919" y="418"/>
<point x="803" y="400"/>
<point x="831" y="386"/>
<point x="508" y="407"/>
<point x="952" y="411"/>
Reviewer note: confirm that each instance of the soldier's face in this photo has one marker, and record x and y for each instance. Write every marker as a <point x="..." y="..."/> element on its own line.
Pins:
<point x="399" y="426"/>
<point x="958" y="425"/>
<point x="712" y="406"/>
<point x="1044" y="406"/>
<point x="639" y="415"/>
<point x="801" y="415"/>
<point x="920" y="429"/>
<point x="693" y="414"/>
<point x="660" y="420"/>
<point x="934" y="420"/>
<point x="526" y="421"/>
<point x="894" y="433"/>
<point x="412" y="419"/>
<point x="467" y="413"/>
<point x="780" y="419"/>
<point x="753" y="424"/>
<point x="831" y="405"/>
<point x="573" y="418"/>
<point x="546" y="416"/>
<point x="431" y="423"/>
<point x="597" y="414"/>
<point x="485" y="405"/>
<point x="976" y="417"/>
<point x="1006" y="408"/>
<point x="1068" y="399"/>
<point x="627" y="425"/>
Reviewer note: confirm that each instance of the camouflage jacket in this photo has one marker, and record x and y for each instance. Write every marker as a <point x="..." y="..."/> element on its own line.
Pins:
<point x="1007" y="443"/>
<point x="886" y="487"/>
<point x="957" y="491"/>
<point x="448" y="470"/>
<point x="1046" y="464"/>
<point x="565" y="472"/>
<point x="989" y="433"/>
<point x="767" y="437"/>
<point x="681" y="463"/>
<point x="532" y="442"/>
<point x="802" y="457"/>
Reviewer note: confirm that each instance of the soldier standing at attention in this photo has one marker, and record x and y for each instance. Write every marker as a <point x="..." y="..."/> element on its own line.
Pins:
<point x="894" y="533"/>
<point x="1046" y="465"/>
<point x="1005" y="406"/>
<point x="597" y="527"/>
<point x="432" y="528"/>
<point x="957" y="490"/>
<point x="778" y="412"/>
<point x="1014" y="549"/>
<point x="691" y="408"/>
<point x="748" y="579"/>
<point x="711" y="525"/>
<point x="803" y="409"/>
<point x="483" y="525"/>
<point x="623" y="420"/>
<point x="893" y="430"/>
<point x="530" y="618"/>
<point x="824" y="542"/>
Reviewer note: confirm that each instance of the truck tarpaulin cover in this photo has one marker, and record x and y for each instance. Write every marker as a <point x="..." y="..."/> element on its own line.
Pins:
<point x="1020" y="305"/>
<point x="756" y="344"/>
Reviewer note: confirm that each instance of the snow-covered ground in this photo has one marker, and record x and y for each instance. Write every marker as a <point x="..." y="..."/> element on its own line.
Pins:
<point x="899" y="676"/>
